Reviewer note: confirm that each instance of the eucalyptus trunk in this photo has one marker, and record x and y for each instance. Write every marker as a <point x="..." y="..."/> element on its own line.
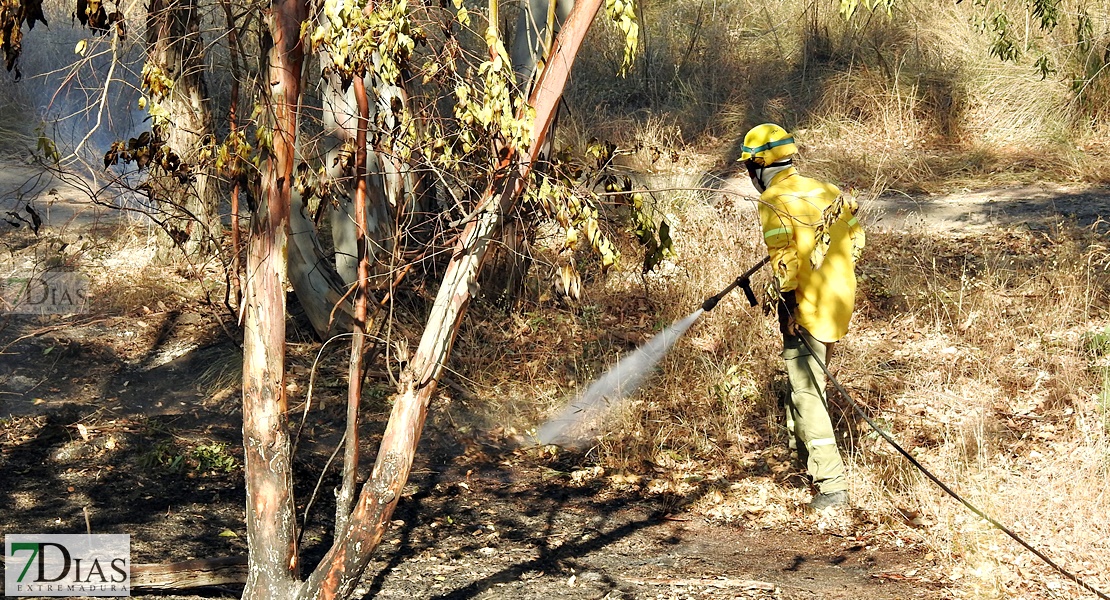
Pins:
<point x="188" y="199"/>
<point x="341" y="119"/>
<point x="273" y="559"/>
<point x="345" y="495"/>
<point x="538" y="22"/>
<point x="271" y="520"/>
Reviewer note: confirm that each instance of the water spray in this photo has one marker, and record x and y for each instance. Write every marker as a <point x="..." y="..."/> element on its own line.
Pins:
<point x="582" y="417"/>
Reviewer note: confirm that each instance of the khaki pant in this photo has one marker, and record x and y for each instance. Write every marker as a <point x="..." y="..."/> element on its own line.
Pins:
<point x="807" y="416"/>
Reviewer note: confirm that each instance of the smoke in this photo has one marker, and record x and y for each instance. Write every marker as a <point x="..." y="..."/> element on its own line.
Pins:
<point x="72" y="92"/>
<point x="66" y="95"/>
<point x="583" y="417"/>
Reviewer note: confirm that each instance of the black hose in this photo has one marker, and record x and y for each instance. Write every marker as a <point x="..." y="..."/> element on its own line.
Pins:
<point x="941" y="484"/>
<point x="743" y="281"/>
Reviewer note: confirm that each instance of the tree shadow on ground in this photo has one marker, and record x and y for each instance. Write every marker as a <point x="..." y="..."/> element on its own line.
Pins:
<point x="508" y="503"/>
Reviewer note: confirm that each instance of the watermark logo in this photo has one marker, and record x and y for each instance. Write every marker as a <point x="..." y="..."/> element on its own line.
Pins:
<point x="67" y="565"/>
<point x="55" y="292"/>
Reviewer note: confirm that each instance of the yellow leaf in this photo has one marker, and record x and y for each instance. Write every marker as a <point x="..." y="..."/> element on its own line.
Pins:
<point x="572" y="238"/>
<point x="592" y="232"/>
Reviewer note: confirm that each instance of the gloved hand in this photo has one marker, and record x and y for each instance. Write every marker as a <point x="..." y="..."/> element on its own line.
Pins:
<point x="788" y="305"/>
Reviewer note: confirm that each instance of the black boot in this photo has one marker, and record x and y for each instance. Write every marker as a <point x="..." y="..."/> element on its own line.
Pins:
<point x="829" y="500"/>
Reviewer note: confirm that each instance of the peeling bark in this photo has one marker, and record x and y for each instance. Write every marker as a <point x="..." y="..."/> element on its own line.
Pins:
<point x="346" y="494"/>
<point x="271" y="524"/>
<point x="341" y="117"/>
<point x="319" y="289"/>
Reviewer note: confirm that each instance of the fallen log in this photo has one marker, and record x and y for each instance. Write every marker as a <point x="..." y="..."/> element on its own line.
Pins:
<point x="201" y="572"/>
<point x="746" y="584"/>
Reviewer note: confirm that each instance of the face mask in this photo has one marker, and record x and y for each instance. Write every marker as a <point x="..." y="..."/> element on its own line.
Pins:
<point x="758" y="184"/>
<point x="762" y="176"/>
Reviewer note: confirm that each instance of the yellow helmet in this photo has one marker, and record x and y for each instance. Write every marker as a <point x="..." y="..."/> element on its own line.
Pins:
<point x="767" y="144"/>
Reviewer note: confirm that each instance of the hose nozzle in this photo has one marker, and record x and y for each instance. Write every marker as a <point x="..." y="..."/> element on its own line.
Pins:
<point x="711" y="302"/>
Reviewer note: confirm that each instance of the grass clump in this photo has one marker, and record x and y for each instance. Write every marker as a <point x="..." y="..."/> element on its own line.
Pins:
<point x="190" y="460"/>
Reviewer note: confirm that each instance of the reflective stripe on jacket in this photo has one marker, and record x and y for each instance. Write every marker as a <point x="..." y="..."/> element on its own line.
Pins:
<point x="790" y="211"/>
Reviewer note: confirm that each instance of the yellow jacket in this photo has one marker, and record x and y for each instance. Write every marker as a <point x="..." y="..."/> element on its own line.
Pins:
<point x="791" y="210"/>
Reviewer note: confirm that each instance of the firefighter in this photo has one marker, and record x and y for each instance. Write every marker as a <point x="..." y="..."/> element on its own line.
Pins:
<point x="814" y="240"/>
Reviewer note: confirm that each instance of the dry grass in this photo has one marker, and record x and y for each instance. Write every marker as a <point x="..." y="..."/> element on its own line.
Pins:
<point x="127" y="275"/>
<point x="913" y="101"/>
<point x="996" y="393"/>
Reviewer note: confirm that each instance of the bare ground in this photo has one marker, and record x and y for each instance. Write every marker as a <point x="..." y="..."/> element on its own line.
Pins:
<point x="131" y="424"/>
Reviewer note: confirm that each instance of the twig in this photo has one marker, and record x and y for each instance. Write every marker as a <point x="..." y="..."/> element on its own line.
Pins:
<point x="103" y="96"/>
<point x="46" y="330"/>
<point x="311" y="386"/>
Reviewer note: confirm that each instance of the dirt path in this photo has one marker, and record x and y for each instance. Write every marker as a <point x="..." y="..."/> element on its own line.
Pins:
<point x="560" y="541"/>
<point x="1036" y="206"/>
